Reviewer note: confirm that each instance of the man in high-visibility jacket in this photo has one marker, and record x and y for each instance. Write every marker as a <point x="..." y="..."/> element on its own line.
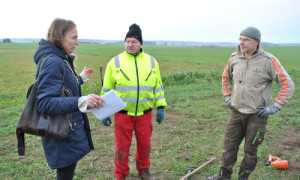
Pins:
<point x="135" y="77"/>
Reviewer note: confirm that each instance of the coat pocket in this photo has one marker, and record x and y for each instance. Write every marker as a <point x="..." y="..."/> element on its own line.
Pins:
<point x="124" y="75"/>
<point x="259" y="137"/>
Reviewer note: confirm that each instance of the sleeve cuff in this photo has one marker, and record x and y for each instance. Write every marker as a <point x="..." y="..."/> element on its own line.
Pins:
<point x="279" y="106"/>
<point x="83" y="77"/>
<point x="83" y="104"/>
<point x="227" y="98"/>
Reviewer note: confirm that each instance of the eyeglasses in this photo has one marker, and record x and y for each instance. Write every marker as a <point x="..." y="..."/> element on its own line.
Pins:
<point x="244" y="40"/>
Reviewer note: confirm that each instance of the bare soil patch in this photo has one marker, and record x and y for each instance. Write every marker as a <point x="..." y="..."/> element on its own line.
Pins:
<point x="290" y="143"/>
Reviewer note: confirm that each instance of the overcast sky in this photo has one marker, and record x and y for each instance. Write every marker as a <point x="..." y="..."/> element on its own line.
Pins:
<point x="180" y="20"/>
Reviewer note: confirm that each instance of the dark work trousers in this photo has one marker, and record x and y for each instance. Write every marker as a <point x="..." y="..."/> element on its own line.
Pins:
<point x="66" y="173"/>
<point x="240" y="126"/>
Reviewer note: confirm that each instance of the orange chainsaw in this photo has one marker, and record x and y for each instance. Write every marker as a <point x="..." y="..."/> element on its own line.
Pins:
<point x="278" y="163"/>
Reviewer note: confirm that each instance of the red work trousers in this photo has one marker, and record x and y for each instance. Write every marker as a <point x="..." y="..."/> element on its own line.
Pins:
<point x="124" y="127"/>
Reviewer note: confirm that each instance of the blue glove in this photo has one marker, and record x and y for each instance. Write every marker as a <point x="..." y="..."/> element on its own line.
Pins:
<point x="160" y="115"/>
<point x="106" y="121"/>
<point x="229" y="104"/>
<point x="264" y="111"/>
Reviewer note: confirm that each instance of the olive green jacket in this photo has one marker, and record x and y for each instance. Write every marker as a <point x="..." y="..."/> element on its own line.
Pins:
<point x="248" y="82"/>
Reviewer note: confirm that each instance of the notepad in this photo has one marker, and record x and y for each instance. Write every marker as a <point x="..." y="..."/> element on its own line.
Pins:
<point x="113" y="103"/>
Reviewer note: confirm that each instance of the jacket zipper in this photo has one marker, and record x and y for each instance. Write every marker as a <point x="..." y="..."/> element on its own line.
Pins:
<point x="138" y="87"/>
<point x="148" y="75"/>
<point x="124" y="75"/>
<point x="244" y="72"/>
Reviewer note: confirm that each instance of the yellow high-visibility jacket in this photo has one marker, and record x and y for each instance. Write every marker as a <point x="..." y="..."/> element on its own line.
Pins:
<point x="137" y="80"/>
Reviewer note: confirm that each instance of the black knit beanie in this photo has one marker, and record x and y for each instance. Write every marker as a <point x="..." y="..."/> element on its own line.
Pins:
<point x="136" y="32"/>
<point x="252" y="32"/>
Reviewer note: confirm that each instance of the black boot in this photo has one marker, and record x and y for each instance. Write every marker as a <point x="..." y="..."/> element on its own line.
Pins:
<point x="243" y="175"/>
<point x="145" y="174"/>
<point x="219" y="176"/>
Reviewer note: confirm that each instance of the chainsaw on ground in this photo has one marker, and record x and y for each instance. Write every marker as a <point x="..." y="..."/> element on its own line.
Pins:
<point x="278" y="163"/>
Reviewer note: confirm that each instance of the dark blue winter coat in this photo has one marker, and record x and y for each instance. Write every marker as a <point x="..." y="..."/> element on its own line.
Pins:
<point x="61" y="153"/>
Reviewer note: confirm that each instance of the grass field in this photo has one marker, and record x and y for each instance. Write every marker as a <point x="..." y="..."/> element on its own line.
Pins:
<point x="191" y="133"/>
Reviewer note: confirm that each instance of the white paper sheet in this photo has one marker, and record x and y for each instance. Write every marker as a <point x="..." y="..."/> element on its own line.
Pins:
<point x="113" y="103"/>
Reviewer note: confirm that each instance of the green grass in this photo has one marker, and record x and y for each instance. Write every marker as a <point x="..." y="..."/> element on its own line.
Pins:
<point x="191" y="134"/>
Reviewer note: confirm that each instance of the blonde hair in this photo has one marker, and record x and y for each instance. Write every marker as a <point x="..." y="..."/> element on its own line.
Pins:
<point x="57" y="30"/>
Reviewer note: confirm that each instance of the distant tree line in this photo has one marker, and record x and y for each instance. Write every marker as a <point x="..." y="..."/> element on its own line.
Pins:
<point x="6" y="40"/>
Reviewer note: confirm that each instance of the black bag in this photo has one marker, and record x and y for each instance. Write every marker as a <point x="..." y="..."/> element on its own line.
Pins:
<point x="35" y="123"/>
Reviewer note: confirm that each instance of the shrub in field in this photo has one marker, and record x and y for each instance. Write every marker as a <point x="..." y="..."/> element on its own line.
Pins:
<point x="190" y="77"/>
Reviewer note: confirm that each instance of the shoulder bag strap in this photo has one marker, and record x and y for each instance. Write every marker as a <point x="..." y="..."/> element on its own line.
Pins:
<point x="41" y="67"/>
<point x="72" y="71"/>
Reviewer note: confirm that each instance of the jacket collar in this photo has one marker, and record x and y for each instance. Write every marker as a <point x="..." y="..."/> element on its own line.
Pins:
<point x="141" y="51"/>
<point x="46" y="48"/>
<point x="242" y="55"/>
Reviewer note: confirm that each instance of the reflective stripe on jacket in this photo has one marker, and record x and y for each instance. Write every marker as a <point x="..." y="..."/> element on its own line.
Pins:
<point x="248" y="82"/>
<point x="137" y="80"/>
